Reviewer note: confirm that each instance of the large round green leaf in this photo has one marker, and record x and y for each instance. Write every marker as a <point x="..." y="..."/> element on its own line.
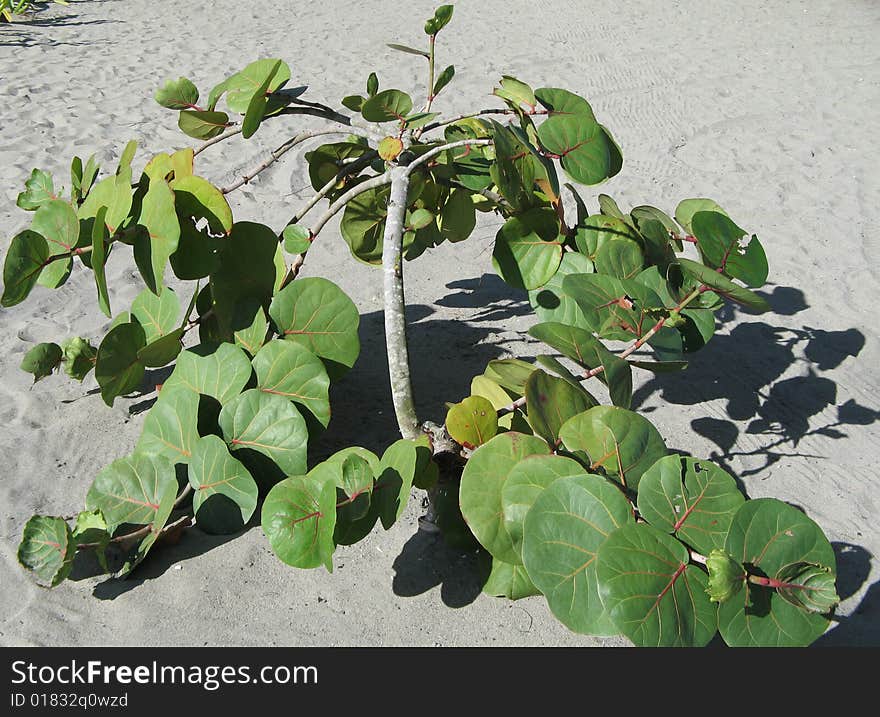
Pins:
<point x="720" y="242"/>
<point x="221" y="371"/>
<point x="525" y="483"/>
<point x="693" y="499"/>
<point x="25" y="259"/>
<point x="179" y="94"/>
<point x="41" y="360"/>
<point x="621" y="442"/>
<point x="298" y="518"/>
<point x="387" y="106"/>
<point x="564" y="529"/>
<point x="599" y="230"/>
<point x="47" y="549"/>
<point x="158" y="315"/>
<point x="528" y="249"/>
<point x="480" y="493"/>
<point x="225" y="494"/>
<point x="290" y="370"/>
<point x="768" y="536"/>
<point x="171" y="426"/>
<point x="118" y="369"/>
<point x="57" y="223"/>
<point x="472" y="422"/>
<point x="652" y="593"/>
<point x="686" y="209"/>
<point x="552" y="303"/>
<point x="316" y="313"/>
<point x="138" y="489"/>
<point x="458" y="216"/>
<point x="551" y="401"/>
<point x="269" y="425"/>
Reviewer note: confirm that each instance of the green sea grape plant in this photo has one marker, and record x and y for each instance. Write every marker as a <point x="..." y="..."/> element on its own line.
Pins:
<point x="9" y="9"/>
<point x="579" y="501"/>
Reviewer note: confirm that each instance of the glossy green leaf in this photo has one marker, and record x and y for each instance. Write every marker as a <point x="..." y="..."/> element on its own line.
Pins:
<point x="217" y="480"/>
<point x="163" y="350"/>
<point x="202" y="124"/>
<point x="472" y="422"/>
<point x="117" y="368"/>
<point x="563" y="531"/>
<point x="246" y="275"/>
<point x="510" y="581"/>
<point x="481" y="489"/>
<point x="38" y="189"/>
<point x="243" y="86"/>
<point x="420" y="218"/>
<point x="686" y="209"/>
<point x="288" y="369"/>
<point x="622" y="443"/>
<point x="179" y="94"/>
<point x="551" y="401"/>
<point x="297" y="239"/>
<point x="298" y="518"/>
<point x="56" y="221"/>
<point x="394" y="480"/>
<point x="768" y="536"/>
<point x="41" y="360"/>
<point x="171" y="427"/>
<point x="159" y="241"/>
<point x="515" y="92"/>
<point x="527" y="480"/>
<point x="198" y="198"/>
<point x="443" y="79"/>
<point x="652" y="594"/>
<point x="47" y="549"/>
<point x="221" y="371"/>
<point x="115" y="194"/>
<point x="363" y="224"/>
<point x="317" y="314"/>
<point x="551" y="302"/>
<point x="79" y="357"/>
<point x="721" y="243"/>
<point x="99" y="258"/>
<point x="724" y="286"/>
<point x="528" y="249"/>
<point x="269" y="425"/>
<point x="27" y="255"/>
<point x="514" y="169"/>
<point x="256" y="108"/>
<point x="137" y="490"/>
<point x="582" y="347"/>
<point x="387" y="106"/>
<point x="458" y="216"/>
<point x="693" y="499"/>
<point x="157" y="314"/>
<point x="196" y="255"/>
<point x="510" y="374"/>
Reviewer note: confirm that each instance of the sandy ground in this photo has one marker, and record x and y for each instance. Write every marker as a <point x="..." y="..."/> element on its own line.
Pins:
<point x="767" y="106"/>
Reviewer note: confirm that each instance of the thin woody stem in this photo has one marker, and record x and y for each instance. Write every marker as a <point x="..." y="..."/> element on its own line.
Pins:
<point x="452" y="145"/>
<point x="276" y="154"/>
<point x="214" y="140"/>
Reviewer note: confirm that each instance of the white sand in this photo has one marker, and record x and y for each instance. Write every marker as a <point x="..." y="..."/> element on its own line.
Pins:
<point x="769" y="107"/>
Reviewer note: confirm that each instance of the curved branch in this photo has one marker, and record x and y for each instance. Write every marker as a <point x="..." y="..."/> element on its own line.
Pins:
<point x="340" y="203"/>
<point x="275" y="155"/>
<point x="219" y="138"/>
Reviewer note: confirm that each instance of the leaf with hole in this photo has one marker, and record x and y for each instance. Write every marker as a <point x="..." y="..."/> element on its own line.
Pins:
<point x="721" y="244"/>
<point x="38" y="189"/>
<point x="692" y="499"/>
<point x="195" y="197"/>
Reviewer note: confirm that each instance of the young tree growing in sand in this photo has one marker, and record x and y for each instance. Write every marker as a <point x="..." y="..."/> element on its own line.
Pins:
<point x="575" y="500"/>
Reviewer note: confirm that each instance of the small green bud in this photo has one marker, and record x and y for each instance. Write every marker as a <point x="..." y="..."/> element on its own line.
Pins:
<point x="807" y="586"/>
<point x="726" y="576"/>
